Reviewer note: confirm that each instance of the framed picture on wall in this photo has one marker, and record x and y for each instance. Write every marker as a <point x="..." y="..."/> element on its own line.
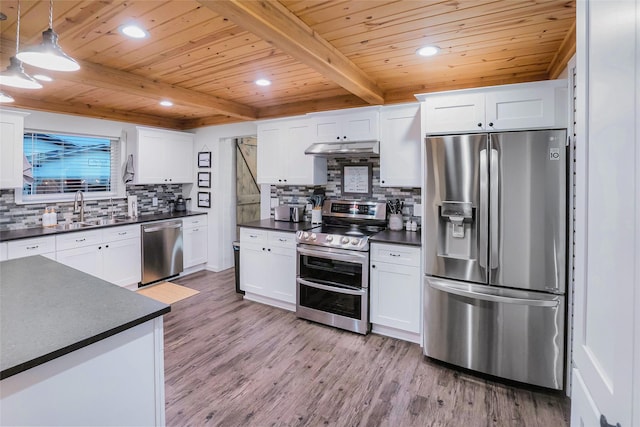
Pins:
<point x="204" y="179"/>
<point x="204" y="159"/>
<point x="356" y="180"/>
<point x="204" y="199"/>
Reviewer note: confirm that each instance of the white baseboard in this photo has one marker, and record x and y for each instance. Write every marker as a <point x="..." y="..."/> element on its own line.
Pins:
<point x="396" y="333"/>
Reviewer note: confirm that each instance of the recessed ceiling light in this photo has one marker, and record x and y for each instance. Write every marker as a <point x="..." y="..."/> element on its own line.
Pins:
<point x="134" y="31"/>
<point x="166" y="103"/>
<point x="428" y="51"/>
<point x="263" y="82"/>
<point x="42" y="78"/>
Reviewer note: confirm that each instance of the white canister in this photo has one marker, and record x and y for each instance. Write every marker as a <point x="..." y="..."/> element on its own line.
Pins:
<point x="395" y="222"/>
<point x="316" y="216"/>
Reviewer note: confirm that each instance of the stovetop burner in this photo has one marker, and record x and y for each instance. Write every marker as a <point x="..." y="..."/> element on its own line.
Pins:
<point x="346" y="225"/>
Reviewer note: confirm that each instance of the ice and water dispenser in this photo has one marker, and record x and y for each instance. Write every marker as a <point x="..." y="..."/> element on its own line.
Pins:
<point x="457" y="232"/>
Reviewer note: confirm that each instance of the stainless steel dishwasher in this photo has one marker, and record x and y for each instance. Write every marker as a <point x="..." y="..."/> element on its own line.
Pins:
<point x="162" y="251"/>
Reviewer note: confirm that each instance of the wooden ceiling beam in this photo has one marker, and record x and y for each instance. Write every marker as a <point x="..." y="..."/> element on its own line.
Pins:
<point x="564" y="53"/>
<point x="96" y="75"/>
<point x="273" y="22"/>
<point x="87" y="110"/>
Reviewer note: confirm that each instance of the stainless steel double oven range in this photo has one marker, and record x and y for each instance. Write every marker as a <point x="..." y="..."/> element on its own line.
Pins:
<point x="332" y="280"/>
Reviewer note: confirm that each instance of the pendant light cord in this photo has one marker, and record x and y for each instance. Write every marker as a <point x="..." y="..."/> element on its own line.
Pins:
<point x="50" y="13"/>
<point x="18" y="29"/>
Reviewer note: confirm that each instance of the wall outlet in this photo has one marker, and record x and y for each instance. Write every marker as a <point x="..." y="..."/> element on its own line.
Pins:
<point x="275" y="202"/>
<point x="417" y="209"/>
<point x="154" y="201"/>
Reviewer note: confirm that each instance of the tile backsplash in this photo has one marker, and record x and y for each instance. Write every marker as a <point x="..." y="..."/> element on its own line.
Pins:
<point x="333" y="189"/>
<point x="13" y="216"/>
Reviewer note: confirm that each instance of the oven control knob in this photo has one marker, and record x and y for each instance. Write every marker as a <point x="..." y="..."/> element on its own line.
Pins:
<point x="305" y="235"/>
<point x="344" y="240"/>
<point x="329" y="238"/>
<point x="313" y="236"/>
<point x="355" y="241"/>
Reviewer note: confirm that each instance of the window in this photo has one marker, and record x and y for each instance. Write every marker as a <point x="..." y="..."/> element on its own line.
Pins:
<point x="64" y="164"/>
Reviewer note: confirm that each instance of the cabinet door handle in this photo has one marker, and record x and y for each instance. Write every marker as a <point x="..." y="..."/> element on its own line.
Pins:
<point x="253" y="236"/>
<point x="394" y="255"/>
<point x="33" y="247"/>
<point x="605" y="423"/>
<point x="122" y="233"/>
<point x="106" y="246"/>
<point x="99" y="247"/>
<point x="196" y="229"/>
<point x="491" y="124"/>
<point x="479" y="125"/>
<point x="269" y="250"/>
<point x="338" y="138"/>
<point x="373" y="266"/>
<point x="282" y="240"/>
<point x="81" y="240"/>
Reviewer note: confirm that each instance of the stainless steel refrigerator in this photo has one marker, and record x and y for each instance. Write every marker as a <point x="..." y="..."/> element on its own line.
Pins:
<point x="495" y="221"/>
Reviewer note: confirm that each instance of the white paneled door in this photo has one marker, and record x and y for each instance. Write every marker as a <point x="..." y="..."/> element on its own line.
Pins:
<point x="606" y="343"/>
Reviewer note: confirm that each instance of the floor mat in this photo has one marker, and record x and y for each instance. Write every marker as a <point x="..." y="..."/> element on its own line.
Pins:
<point x="167" y="292"/>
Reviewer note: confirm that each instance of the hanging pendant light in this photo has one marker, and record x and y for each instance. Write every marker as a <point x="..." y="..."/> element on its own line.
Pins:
<point x="48" y="54"/>
<point x="4" y="97"/>
<point x="15" y="75"/>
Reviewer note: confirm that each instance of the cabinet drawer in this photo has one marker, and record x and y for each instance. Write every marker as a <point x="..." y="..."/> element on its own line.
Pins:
<point x="120" y="233"/>
<point x="252" y="235"/>
<point x="283" y="240"/>
<point x="78" y="239"/>
<point x="28" y="247"/>
<point x="395" y="254"/>
<point x="194" y="221"/>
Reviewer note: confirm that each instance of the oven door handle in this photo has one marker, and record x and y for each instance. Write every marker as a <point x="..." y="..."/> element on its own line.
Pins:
<point x="330" y="288"/>
<point x="351" y="257"/>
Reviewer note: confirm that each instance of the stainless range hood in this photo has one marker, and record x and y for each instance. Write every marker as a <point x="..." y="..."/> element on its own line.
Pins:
<point x="345" y="149"/>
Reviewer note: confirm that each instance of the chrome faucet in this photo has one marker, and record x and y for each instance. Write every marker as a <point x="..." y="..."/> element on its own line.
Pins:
<point x="75" y="204"/>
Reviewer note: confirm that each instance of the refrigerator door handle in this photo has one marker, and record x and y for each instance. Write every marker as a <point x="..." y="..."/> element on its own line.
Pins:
<point x="494" y="211"/>
<point x="484" y="211"/>
<point x="463" y="290"/>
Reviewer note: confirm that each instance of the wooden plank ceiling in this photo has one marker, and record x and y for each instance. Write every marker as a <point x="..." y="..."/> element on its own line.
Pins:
<point x="320" y="54"/>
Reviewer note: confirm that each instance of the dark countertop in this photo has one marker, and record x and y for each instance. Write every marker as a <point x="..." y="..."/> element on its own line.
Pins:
<point x="403" y="237"/>
<point x="409" y="238"/>
<point x="271" y="224"/>
<point x="48" y="310"/>
<point x="25" y="233"/>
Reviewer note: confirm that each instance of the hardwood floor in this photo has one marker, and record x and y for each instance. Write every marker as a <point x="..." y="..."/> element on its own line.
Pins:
<point x="230" y="362"/>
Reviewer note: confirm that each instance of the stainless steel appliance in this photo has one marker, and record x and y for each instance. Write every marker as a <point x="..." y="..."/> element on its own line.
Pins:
<point x="332" y="283"/>
<point x="495" y="253"/>
<point x="162" y="251"/>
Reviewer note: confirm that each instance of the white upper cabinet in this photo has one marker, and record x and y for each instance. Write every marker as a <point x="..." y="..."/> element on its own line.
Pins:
<point x="163" y="157"/>
<point x="281" y="158"/>
<point x="11" y="137"/>
<point x="509" y="107"/>
<point x="400" y="141"/>
<point x="359" y="125"/>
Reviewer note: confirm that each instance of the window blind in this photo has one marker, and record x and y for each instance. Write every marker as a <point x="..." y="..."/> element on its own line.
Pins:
<point x="64" y="164"/>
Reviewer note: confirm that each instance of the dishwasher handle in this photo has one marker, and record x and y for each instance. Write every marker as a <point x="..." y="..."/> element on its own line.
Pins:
<point x="162" y="227"/>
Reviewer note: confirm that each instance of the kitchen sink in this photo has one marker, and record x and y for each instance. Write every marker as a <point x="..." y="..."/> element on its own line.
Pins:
<point x="72" y="226"/>
<point x="105" y="221"/>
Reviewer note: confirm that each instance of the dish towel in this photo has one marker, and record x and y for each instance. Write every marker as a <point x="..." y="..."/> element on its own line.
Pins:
<point x="27" y="170"/>
<point x="128" y="172"/>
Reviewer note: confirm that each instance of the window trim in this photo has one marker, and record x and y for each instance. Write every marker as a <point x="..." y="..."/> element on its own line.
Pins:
<point x="120" y="187"/>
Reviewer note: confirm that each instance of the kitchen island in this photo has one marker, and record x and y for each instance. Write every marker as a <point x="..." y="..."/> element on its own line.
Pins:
<point x="77" y="350"/>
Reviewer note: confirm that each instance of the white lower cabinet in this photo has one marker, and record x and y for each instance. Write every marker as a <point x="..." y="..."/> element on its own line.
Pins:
<point x="194" y="240"/>
<point x="3" y="251"/>
<point x="45" y="246"/>
<point x="395" y="290"/>
<point x="112" y="254"/>
<point x="268" y="267"/>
